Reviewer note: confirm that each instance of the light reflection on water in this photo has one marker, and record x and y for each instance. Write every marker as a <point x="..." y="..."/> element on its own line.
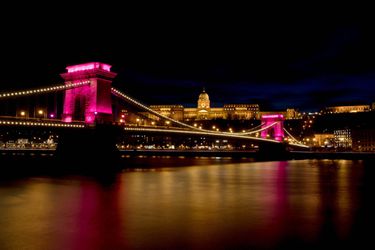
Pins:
<point x="209" y="204"/>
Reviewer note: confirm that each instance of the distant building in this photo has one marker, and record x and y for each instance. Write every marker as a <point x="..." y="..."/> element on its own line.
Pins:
<point x="288" y="114"/>
<point x="323" y="140"/>
<point x="204" y="111"/>
<point x="173" y="111"/>
<point x="347" y="109"/>
<point x="241" y="111"/>
<point x="291" y="114"/>
<point x="364" y="139"/>
<point x="342" y="138"/>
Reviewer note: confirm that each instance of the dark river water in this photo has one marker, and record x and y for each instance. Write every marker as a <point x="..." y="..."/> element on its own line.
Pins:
<point x="194" y="203"/>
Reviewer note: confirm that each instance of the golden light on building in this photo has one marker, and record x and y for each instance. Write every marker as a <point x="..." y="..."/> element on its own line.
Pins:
<point x="347" y="109"/>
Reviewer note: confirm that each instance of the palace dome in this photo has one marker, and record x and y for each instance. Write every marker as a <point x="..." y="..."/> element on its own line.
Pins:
<point x="203" y="100"/>
<point x="204" y="96"/>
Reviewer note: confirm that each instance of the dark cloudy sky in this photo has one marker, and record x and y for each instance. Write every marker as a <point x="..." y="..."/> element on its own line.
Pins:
<point x="278" y="59"/>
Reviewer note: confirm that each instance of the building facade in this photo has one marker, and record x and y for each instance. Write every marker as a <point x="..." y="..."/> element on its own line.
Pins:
<point x="342" y="138"/>
<point x="364" y="139"/>
<point x="347" y="109"/>
<point x="173" y="111"/>
<point x="204" y="111"/>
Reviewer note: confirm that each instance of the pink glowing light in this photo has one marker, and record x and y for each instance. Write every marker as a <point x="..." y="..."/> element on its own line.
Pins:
<point x="88" y="66"/>
<point x="105" y="67"/>
<point x="67" y="119"/>
<point x="276" y="131"/>
<point x="52" y="115"/>
<point x="272" y="116"/>
<point x="94" y="100"/>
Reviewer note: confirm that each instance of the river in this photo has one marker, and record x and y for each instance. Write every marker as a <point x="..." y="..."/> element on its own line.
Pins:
<point x="193" y="203"/>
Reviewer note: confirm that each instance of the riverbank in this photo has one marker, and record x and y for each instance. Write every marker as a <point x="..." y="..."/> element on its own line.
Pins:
<point x="45" y="153"/>
<point x="331" y="155"/>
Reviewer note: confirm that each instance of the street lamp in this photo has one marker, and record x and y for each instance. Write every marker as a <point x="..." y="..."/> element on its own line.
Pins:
<point x="22" y="113"/>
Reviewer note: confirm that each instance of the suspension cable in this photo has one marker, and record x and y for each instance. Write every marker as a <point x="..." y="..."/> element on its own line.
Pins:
<point x="292" y="136"/>
<point x="139" y="104"/>
<point x="43" y="90"/>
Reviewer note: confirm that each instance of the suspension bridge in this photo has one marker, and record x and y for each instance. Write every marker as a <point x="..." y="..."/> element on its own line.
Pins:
<point x="89" y="102"/>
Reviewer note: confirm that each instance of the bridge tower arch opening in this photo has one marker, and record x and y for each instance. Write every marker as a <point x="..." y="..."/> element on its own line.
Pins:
<point x="277" y="130"/>
<point x="92" y="101"/>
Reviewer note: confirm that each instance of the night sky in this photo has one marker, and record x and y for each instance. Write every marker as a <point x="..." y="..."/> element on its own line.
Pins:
<point x="277" y="59"/>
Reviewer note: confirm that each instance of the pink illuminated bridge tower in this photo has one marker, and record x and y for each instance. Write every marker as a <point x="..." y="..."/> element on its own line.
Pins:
<point x="277" y="130"/>
<point x="92" y="101"/>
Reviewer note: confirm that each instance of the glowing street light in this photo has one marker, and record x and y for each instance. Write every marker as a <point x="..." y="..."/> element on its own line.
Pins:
<point x="22" y="113"/>
<point x="40" y="112"/>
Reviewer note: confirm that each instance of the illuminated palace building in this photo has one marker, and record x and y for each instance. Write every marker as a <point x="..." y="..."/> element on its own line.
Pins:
<point x="204" y="111"/>
<point x="347" y="109"/>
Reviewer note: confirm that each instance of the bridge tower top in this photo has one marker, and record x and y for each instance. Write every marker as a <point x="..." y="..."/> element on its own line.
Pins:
<point x="275" y="124"/>
<point x="90" y="102"/>
<point x="87" y="71"/>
